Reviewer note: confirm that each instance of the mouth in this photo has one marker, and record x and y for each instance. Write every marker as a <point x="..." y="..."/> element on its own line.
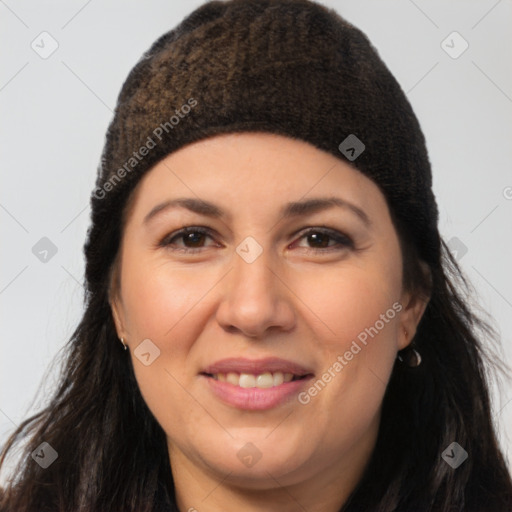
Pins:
<point x="255" y="384"/>
<point x="263" y="380"/>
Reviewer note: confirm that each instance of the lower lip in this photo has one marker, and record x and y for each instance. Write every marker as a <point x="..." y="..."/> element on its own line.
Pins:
<point x="256" y="399"/>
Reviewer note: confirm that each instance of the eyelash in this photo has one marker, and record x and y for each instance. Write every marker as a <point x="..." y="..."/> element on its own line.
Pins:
<point x="338" y="237"/>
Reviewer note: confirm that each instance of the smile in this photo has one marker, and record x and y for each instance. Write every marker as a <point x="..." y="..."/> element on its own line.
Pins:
<point x="262" y="381"/>
<point x="255" y="384"/>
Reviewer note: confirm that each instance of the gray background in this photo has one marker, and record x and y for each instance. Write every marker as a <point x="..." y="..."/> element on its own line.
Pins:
<point x="55" y="111"/>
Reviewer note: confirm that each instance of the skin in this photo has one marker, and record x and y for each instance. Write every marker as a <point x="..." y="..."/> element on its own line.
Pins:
<point x="291" y="302"/>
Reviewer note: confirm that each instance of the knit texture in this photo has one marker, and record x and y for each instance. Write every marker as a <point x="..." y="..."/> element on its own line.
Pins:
<point x="290" y="67"/>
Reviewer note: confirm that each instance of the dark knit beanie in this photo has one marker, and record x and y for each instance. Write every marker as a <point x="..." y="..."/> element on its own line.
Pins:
<point x="290" y="67"/>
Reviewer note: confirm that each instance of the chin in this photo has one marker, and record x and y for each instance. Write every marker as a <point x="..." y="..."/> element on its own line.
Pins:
<point x="258" y="463"/>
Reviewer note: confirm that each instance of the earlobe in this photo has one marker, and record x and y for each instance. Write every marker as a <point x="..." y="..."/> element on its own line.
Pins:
<point x="410" y="318"/>
<point x="114" y="307"/>
<point x="415" y="303"/>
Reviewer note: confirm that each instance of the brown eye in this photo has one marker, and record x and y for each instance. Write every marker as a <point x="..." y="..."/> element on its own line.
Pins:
<point x="321" y="240"/>
<point x="192" y="238"/>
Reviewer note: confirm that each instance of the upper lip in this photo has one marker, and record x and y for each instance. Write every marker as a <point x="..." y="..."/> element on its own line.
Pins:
<point x="256" y="366"/>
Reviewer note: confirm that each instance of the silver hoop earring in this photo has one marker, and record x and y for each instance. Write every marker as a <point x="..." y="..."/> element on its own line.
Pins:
<point x="410" y="357"/>
<point x="124" y="344"/>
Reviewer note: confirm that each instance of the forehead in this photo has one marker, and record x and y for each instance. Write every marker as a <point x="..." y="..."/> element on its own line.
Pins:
<point x="256" y="172"/>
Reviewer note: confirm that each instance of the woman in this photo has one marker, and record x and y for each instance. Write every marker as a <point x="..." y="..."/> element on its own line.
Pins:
<point x="264" y="246"/>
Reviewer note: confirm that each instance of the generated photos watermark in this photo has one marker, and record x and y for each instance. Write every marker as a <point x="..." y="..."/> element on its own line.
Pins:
<point x="131" y="163"/>
<point x="304" y="397"/>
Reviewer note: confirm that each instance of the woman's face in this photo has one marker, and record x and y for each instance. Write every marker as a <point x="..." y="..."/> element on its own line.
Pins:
<point x="248" y="298"/>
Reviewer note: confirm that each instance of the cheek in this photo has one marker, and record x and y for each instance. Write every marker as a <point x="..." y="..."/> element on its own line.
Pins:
<point x="350" y="301"/>
<point x="359" y="309"/>
<point x="159" y="298"/>
<point x="356" y="341"/>
<point x="164" y="304"/>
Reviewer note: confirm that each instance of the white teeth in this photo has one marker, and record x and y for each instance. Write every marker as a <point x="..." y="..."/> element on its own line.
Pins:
<point x="248" y="380"/>
<point x="278" y="378"/>
<point x="233" y="378"/>
<point x="265" y="380"/>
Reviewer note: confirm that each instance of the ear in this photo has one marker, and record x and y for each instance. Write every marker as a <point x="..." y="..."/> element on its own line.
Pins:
<point x="114" y="298"/>
<point x="414" y="307"/>
<point x="118" y="315"/>
<point x="414" y="304"/>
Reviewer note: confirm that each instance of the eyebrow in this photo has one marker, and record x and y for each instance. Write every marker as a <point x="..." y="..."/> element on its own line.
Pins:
<point x="291" y="209"/>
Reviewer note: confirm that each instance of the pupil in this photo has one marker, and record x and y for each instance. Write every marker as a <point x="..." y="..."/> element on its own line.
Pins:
<point x="193" y="237"/>
<point x="315" y="236"/>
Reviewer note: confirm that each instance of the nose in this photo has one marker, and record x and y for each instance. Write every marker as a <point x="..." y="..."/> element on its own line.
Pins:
<point x="256" y="298"/>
